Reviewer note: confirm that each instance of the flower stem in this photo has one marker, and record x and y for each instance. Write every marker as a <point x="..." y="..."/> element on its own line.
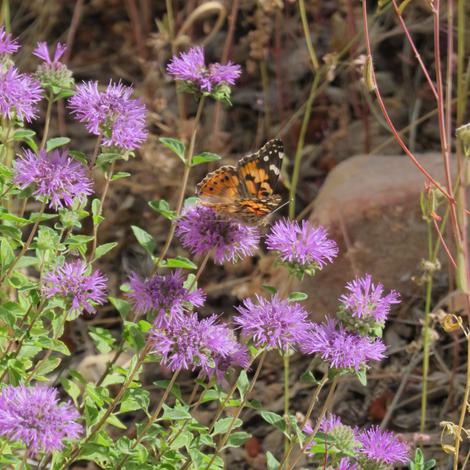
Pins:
<point x="311" y="406"/>
<point x="109" y="176"/>
<point x="308" y="40"/>
<point x="225" y="437"/>
<point x="47" y="121"/>
<point x="110" y="409"/>
<point x="152" y="419"/>
<point x="184" y="184"/>
<point x="426" y="345"/>
<point x="300" y="144"/>
<point x="285" y="360"/>
<point x="26" y="244"/>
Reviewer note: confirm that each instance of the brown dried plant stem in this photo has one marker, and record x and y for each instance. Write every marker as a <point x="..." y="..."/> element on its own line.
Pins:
<point x="184" y="184"/>
<point x="225" y="437"/>
<point x="152" y="419"/>
<point x="111" y="407"/>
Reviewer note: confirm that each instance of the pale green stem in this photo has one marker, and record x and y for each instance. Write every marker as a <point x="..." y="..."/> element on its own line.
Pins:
<point x="187" y="169"/>
<point x="47" y="121"/>
<point x="300" y="145"/>
<point x="426" y="345"/>
<point x="238" y="411"/>
<point x="285" y="360"/>
<point x="308" y="40"/>
<point x="152" y="419"/>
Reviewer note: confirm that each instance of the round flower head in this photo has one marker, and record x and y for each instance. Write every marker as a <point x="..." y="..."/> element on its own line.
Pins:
<point x="8" y="45"/>
<point x="19" y="95"/>
<point x="340" y="348"/>
<point x="71" y="281"/>
<point x="189" y="343"/>
<point x="301" y="246"/>
<point x="202" y="230"/>
<point x="366" y="300"/>
<point x="34" y="416"/>
<point x="52" y="73"/>
<point x="273" y="323"/>
<point x="113" y="114"/>
<point x="382" y="447"/>
<point x="190" y="67"/>
<point x="164" y="294"/>
<point x="56" y="176"/>
<point x="329" y="422"/>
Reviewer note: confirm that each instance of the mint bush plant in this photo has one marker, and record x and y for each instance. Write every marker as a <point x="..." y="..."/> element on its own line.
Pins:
<point x="49" y="276"/>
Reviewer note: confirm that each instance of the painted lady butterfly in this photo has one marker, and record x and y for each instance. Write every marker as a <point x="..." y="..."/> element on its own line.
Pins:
<point x="246" y="191"/>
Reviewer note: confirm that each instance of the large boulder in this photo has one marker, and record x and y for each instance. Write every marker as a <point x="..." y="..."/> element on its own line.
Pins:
<point x="370" y="205"/>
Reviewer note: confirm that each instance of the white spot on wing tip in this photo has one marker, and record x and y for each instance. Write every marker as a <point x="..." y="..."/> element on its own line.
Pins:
<point x="274" y="169"/>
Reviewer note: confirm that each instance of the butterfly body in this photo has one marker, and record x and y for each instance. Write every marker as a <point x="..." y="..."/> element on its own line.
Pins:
<point x="245" y="191"/>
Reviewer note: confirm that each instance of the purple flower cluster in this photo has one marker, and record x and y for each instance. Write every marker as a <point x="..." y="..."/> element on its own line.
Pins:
<point x="202" y="230"/>
<point x="382" y="447"/>
<point x="71" y="281"/>
<point x="19" y="95"/>
<point x="165" y="294"/>
<point x="301" y="246"/>
<point x="34" y="416"/>
<point x="340" y="348"/>
<point x="111" y="114"/>
<point x="190" y="67"/>
<point x="273" y="323"/>
<point x="53" y="74"/>
<point x="189" y="343"/>
<point x="8" y="45"/>
<point x="374" y="448"/>
<point x="367" y="300"/>
<point x="56" y="176"/>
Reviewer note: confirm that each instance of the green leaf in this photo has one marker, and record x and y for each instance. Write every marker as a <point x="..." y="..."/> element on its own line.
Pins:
<point x="204" y="157"/>
<point x="271" y="289"/>
<point x="163" y="208"/>
<point x="113" y="420"/>
<point x="274" y="419"/>
<point x="175" y="145"/>
<point x="80" y="156"/>
<point x="71" y="388"/>
<point x="104" y="158"/>
<point x="14" y="218"/>
<point x="120" y="175"/>
<point x="361" y="374"/>
<point x="271" y="462"/>
<point x="103" y="339"/>
<point x="21" y="134"/>
<point x="297" y="296"/>
<point x="56" y="142"/>
<point x="237" y="439"/>
<point x="308" y="377"/>
<point x="121" y="306"/>
<point x="144" y="238"/>
<point x="180" y="262"/>
<point x="223" y="425"/>
<point x="47" y="367"/>
<point x="243" y="383"/>
<point x="135" y="399"/>
<point x="94" y="453"/>
<point x="175" y="413"/>
<point x="7" y="255"/>
<point x="103" y="249"/>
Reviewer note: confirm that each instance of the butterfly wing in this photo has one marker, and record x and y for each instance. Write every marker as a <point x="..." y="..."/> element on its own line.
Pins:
<point x="259" y="172"/>
<point x="221" y="185"/>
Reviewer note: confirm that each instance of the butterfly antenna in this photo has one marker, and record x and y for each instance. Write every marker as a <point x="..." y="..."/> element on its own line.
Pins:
<point x="280" y="207"/>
